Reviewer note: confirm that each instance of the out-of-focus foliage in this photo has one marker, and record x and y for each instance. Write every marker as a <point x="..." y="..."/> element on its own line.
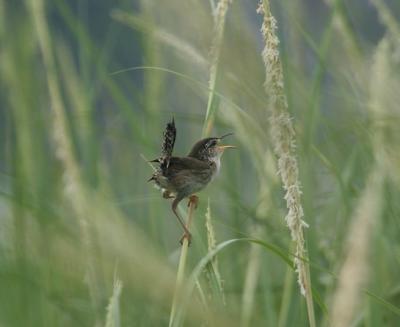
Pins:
<point x="86" y="88"/>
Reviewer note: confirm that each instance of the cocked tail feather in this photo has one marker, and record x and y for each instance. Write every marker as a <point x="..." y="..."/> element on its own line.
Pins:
<point x="167" y="148"/>
<point x="169" y="137"/>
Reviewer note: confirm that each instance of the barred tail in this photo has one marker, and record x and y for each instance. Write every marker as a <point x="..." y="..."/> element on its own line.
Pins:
<point x="168" y="143"/>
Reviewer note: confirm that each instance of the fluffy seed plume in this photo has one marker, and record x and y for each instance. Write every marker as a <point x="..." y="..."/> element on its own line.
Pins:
<point x="353" y="274"/>
<point x="283" y="137"/>
<point x="354" y="271"/>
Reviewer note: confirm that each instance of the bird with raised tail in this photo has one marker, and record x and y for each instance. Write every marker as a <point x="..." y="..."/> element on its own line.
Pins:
<point x="182" y="177"/>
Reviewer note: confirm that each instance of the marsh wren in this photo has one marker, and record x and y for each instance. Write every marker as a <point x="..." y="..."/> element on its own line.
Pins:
<point x="182" y="177"/>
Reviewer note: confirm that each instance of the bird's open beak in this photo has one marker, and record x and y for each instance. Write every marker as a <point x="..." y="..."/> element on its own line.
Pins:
<point x="223" y="147"/>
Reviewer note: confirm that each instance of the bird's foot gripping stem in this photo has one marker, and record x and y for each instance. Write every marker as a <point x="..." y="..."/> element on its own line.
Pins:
<point x="193" y="199"/>
<point x="186" y="235"/>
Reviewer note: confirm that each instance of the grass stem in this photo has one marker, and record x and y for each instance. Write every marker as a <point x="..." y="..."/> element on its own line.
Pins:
<point x="216" y="45"/>
<point x="286" y="297"/>
<point x="181" y="268"/>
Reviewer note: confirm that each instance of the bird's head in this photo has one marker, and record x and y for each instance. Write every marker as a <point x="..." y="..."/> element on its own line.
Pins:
<point x="210" y="148"/>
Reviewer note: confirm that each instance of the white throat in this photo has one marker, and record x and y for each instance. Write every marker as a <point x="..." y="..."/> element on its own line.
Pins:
<point x="217" y="161"/>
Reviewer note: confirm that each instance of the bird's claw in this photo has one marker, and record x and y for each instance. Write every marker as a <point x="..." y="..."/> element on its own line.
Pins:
<point x="186" y="235"/>
<point x="193" y="199"/>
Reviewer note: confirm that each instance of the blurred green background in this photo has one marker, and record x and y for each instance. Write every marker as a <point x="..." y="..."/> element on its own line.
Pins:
<point x="86" y="88"/>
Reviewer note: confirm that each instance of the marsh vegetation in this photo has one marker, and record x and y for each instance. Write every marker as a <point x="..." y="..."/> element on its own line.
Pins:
<point x="302" y="225"/>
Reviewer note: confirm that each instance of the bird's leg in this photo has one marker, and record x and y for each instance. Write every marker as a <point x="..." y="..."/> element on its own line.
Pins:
<point x="193" y="199"/>
<point x="186" y="230"/>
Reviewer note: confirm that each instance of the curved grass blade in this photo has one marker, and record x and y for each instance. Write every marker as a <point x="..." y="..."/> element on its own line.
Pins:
<point x="178" y="321"/>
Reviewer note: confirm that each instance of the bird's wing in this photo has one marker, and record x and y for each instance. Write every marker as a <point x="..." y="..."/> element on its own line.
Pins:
<point x="178" y="164"/>
<point x="188" y="175"/>
<point x="168" y="144"/>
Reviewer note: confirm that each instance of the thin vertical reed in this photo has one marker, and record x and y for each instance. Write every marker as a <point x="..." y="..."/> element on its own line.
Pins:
<point x="354" y="270"/>
<point x="344" y="27"/>
<point x="221" y="10"/>
<point x="73" y="187"/>
<point x="286" y="298"/>
<point x="212" y="104"/>
<point x="179" y="285"/>
<point x="387" y="18"/>
<point x="113" y="318"/>
<point x="251" y="279"/>
<point x="353" y="273"/>
<point x="219" y="25"/>
<point x="214" y="277"/>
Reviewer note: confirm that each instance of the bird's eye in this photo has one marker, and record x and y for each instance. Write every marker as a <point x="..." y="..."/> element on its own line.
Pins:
<point x="213" y="143"/>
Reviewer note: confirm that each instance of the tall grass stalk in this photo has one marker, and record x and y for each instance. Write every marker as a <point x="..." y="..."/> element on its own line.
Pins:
<point x="212" y="270"/>
<point x="221" y="10"/>
<point x="113" y="318"/>
<point x="286" y="298"/>
<point x="283" y="137"/>
<point x="266" y="172"/>
<point x="2" y="19"/>
<point x="219" y="26"/>
<point x="152" y="79"/>
<point x="354" y="271"/>
<point x="343" y="25"/>
<point x="251" y="279"/>
<point x="73" y="188"/>
<point x="387" y="18"/>
<point x="179" y="285"/>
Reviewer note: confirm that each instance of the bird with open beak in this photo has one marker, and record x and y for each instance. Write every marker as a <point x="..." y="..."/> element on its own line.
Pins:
<point x="182" y="177"/>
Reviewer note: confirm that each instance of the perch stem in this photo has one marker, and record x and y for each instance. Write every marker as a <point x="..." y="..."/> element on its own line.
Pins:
<point x="182" y="263"/>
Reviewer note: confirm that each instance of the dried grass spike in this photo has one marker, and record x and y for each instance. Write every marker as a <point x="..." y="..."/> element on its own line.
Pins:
<point x="283" y="136"/>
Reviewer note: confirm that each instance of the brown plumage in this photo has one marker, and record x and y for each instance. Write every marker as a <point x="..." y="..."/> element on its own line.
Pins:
<point x="181" y="177"/>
